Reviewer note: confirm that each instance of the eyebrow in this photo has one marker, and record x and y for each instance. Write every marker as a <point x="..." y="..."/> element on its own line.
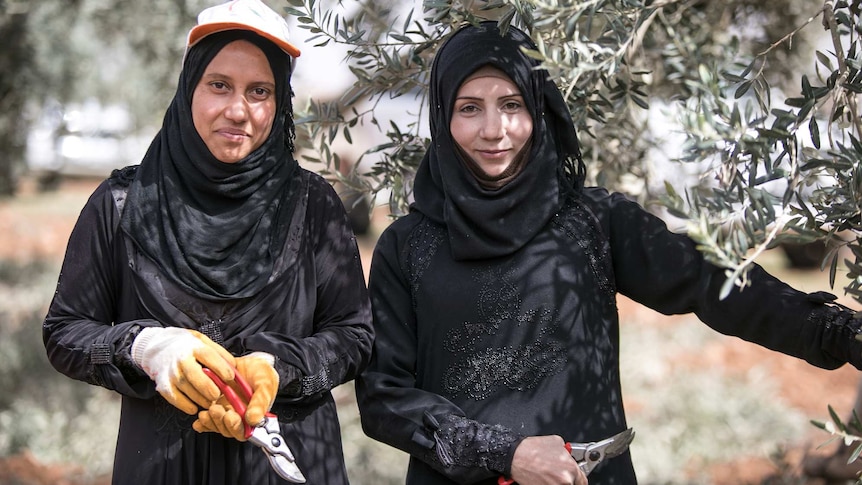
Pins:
<point x="218" y="75"/>
<point x="514" y="95"/>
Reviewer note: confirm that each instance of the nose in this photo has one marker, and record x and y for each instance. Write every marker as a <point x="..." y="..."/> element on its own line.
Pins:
<point x="494" y="126"/>
<point x="237" y="109"/>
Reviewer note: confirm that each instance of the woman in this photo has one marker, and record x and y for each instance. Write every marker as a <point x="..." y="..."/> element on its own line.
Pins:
<point x="217" y="251"/>
<point x="497" y="333"/>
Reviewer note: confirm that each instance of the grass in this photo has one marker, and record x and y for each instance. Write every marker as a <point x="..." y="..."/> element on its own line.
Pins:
<point x="690" y="418"/>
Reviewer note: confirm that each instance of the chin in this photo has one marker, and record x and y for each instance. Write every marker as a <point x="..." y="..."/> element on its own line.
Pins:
<point x="231" y="157"/>
<point x="495" y="171"/>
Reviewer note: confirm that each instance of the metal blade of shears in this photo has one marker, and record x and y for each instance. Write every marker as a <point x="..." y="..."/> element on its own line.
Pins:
<point x="266" y="435"/>
<point x="620" y="443"/>
<point x="286" y="469"/>
<point x="589" y="455"/>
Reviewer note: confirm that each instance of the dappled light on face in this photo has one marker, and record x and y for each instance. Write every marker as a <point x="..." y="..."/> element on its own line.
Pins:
<point x="490" y="120"/>
<point x="233" y="106"/>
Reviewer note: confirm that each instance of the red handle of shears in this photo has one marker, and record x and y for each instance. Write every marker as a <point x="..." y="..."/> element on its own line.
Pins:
<point x="240" y="404"/>
<point x="509" y="481"/>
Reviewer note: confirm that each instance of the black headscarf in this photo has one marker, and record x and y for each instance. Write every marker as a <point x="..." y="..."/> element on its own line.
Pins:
<point x="214" y="228"/>
<point x="487" y="222"/>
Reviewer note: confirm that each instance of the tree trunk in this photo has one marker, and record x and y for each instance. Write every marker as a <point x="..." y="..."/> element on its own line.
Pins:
<point x="14" y="69"/>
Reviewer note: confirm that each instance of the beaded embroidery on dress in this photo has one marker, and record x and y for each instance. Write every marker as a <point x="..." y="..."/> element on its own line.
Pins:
<point x="480" y="369"/>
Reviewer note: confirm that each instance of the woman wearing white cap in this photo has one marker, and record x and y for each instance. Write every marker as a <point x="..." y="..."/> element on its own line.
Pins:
<point x="218" y="251"/>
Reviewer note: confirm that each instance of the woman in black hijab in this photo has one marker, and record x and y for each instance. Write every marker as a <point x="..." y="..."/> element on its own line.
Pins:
<point x="217" y="251"/>
<point x="494" y="299"/>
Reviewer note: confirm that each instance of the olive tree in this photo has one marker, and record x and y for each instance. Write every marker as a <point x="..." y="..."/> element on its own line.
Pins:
<point x="768" y="115"/>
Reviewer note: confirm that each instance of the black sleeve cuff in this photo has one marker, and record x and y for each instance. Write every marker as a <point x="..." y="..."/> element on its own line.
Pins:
<point x="289" y="378"/>
<point x="467" y="443"/>
<point x="841" y="330"/>
<point x="122" y="357"/>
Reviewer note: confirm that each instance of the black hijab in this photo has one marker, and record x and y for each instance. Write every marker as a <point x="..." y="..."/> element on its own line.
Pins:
<point x="214" y="228"/>
<point x="487" y="222"/>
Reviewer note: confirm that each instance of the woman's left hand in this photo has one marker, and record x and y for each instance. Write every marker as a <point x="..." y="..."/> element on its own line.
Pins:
<point x="258" y="370"/>
<point x="221" y="418"/>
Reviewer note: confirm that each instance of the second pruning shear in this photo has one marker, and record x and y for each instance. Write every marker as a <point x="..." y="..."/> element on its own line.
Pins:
<point x="266" y="435"/>
<point x="589" y="455"/>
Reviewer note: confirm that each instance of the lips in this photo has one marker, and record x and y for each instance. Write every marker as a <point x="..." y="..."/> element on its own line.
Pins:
<point x="233" y="134"/>
<point x="493" y="153"/>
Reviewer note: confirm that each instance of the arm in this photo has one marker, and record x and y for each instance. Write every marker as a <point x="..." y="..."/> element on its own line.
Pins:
<point x="339" y="345"/>
<point x="666" y="272"/>
<point x="81" y="337"/>
<point x="394" y="410"/>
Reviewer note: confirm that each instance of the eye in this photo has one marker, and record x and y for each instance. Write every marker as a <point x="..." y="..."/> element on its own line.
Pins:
<point x="512" y="105"/>
<point x="219" y="85"/>
<point x="260" y="93"/>
<point x="468" y="108"/>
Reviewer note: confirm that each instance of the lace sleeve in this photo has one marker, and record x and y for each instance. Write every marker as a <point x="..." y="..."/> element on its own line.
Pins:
<point x="465" y="443"/>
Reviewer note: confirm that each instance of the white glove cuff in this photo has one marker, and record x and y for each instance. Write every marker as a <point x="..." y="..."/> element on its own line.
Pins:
<point x="141" y="342"/>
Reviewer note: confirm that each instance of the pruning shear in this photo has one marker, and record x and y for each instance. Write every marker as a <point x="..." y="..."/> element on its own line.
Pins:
<point x="266" y="435"/>
<point x="589" y="455"/>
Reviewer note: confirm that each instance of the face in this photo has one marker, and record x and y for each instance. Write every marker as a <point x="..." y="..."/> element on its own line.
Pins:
<point x="233" y="105"/>
<point x="490" y="121"/>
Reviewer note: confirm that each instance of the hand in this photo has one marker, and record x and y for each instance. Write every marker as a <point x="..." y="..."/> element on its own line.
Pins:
<point x="258" y="369"/>
<point x="221" y="418"/>
<point x="174" y="358"/>
<point x="543" y="460"/>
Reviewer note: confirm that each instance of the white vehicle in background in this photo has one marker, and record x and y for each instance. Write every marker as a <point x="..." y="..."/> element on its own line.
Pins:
<point x="86" y="140"/>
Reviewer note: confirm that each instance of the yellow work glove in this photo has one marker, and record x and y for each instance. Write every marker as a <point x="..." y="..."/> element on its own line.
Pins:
<point x="174" y="358"/>
<point x="220" y="418"/>
<point x="258" y="369"/>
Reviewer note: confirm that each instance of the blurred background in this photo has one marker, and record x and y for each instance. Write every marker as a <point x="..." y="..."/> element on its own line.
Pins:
<point x="83" y="86"/>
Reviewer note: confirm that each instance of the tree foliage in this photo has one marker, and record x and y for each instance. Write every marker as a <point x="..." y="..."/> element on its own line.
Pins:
<point x="769" y="167"/>
<point x="114" y="51"/>
<point x="59" y="52"/>
<point x="769" y="116"/>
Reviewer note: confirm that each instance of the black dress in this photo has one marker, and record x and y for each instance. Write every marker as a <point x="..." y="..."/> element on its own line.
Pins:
<point x="313" y="316"/>
<point x="473" y="355"/>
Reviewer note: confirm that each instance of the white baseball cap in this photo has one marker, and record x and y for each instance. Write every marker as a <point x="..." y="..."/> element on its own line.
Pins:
<point x="251" y="15"/>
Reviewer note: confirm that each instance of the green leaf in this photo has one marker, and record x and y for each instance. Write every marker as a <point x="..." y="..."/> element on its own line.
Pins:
<point x="835" y="419"/>
<point x="726" y="288"/>
<point x="824" y="60"/>
<point x="814" y="131"/>
<point x="742" y="89"/>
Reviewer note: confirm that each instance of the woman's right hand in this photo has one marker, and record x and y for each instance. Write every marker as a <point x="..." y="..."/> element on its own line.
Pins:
<point x="543" y="460"/>
<point x="174" y="359"/>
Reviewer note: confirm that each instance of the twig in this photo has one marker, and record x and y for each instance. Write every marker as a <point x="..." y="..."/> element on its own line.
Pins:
<point x="832" y="27"/>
